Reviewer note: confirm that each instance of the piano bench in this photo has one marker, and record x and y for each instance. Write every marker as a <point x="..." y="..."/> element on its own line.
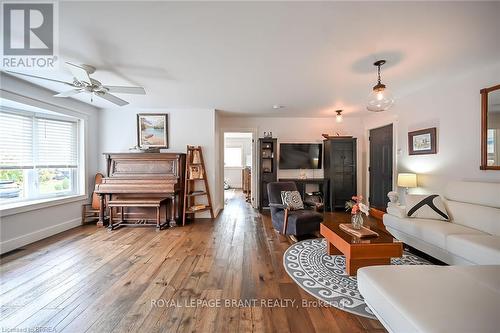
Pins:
<point x="140" y="202"/>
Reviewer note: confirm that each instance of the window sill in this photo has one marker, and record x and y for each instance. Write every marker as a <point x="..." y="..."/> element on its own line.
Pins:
<point x="26" y="206"/>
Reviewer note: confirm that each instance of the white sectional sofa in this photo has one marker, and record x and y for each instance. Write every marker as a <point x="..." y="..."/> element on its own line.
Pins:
<point x="444" y="299"/>
<point x="429" y="298"/>
<point x="473" y="235"/>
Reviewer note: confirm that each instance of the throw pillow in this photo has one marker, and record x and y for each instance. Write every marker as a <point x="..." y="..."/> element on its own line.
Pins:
<point x="426" y="207"/>
<point x="292" y="199"/>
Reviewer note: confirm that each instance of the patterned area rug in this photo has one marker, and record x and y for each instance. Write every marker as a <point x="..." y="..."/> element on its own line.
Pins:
<point x="324" y="276"/>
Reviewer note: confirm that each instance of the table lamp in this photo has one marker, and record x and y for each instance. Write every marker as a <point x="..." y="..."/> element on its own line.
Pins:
<point x="407" y="180"/>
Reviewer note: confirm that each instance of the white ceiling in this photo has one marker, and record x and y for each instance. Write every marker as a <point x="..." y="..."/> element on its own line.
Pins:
<point x="242" y="57"/>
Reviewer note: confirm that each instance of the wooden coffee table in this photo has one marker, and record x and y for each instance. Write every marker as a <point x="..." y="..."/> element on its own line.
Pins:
<point x="360" y="252"/>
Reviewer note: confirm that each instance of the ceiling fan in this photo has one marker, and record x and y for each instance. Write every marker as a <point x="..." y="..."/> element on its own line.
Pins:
<point x="83" y="83"/>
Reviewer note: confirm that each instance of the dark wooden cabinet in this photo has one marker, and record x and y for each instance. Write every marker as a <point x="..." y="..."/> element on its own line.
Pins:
<point x="268" y="168"/>
<point x="340" y="168"/>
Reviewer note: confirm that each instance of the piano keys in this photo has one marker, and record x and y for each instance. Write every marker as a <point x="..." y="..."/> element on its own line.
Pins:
<point x="142" y="175"/>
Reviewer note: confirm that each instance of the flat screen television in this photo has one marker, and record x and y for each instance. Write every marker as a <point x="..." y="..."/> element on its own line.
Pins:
<point x="300" y="155"/>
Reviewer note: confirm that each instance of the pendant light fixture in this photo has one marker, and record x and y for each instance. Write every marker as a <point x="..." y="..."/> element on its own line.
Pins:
<point x="380" y="98"/>
<point x="339" y="117"/>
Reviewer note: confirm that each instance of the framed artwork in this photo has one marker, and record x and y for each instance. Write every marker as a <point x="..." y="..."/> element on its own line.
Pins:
<point x="152" y="130"/>
<point x="195" y="172"/>
<point x="422" y="142"/>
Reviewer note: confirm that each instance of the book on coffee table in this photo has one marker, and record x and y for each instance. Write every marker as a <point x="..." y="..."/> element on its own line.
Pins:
<point x="361" y="233"/>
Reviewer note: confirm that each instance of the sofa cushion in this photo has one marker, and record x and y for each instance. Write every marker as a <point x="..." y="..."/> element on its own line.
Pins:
<point x="482" y="218"/>
<point x="433" y="298"/>
<point x="426" y="207"/>
<point x="430" y="231"/>
<point x="479" y="193"/>
<point x="292" y="199"/>
<point x="479" y="249"/>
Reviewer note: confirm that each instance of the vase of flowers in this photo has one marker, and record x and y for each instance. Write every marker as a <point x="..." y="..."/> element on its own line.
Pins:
<point x="357" y="221"/>
<point x="357" y="208"/>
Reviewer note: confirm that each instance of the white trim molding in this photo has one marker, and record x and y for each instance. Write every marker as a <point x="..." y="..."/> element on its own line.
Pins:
<point x="26" y="206"/>
<point x="15" y="243"/>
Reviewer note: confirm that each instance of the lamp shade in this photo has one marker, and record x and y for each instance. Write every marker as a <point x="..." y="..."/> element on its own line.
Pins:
<point x="407" y="180"/>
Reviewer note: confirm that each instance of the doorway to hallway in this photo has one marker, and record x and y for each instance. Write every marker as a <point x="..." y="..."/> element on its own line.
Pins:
<point x="238" y="157"/>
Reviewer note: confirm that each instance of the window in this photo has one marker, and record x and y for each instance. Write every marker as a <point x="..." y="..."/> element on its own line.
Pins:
<point x="491" y="141"/>
<point x="233" y="157"/>
<point x="38" y="155"/>
<point x="492" y="146"/>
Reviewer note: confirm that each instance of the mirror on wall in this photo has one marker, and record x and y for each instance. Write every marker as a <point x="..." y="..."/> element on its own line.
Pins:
<point x="490" y="128"/>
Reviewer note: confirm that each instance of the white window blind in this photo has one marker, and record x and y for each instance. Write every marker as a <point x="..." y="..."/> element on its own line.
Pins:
<point x="39" y="154"/>
<point x="31" y="141"/>
<point x="16" y="141"/>
<point x="56" y="144"/>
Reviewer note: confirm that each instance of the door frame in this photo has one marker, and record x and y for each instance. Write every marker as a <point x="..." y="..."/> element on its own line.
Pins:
<point x="394" y="153"/>
<point x="253" y="185"/>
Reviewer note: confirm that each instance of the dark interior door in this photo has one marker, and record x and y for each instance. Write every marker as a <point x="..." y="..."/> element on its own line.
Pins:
<point x="380" y="166"/>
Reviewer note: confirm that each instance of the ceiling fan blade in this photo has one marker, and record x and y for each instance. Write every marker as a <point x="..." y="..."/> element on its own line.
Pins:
<point x="112" y="98"/>
<point x="79" y="73"/>
<point x="69" y="93"/>
<point x="39" y="77"/>
<point x="126" y="90"/>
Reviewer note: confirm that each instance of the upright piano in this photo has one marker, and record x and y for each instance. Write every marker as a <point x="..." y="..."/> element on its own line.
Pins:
<point x="136" y="175"/>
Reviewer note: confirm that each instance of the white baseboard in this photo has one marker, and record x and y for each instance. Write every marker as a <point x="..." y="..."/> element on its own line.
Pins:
<point x="17" y="242"/>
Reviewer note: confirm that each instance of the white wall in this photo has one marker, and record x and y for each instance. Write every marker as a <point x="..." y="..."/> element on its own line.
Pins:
<point x="306" y="130"/>
<point x="186" y="127"/>
<point x="23" y="228"/>
<point x="232" y="176"/>
<point x="218" y="190"/>
<point x="453" y="106"/>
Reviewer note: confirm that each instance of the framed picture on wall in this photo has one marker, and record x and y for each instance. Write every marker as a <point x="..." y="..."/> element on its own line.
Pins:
<point x="152" y="130"/>
<point x="195" y="172"/>
<point x="422" y="142"/>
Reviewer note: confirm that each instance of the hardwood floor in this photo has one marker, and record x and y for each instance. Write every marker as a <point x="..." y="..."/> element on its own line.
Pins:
<point x="138" y="280"/>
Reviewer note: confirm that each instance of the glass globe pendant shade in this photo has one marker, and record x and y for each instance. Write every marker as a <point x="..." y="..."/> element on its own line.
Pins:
<point x="380" y="99"/>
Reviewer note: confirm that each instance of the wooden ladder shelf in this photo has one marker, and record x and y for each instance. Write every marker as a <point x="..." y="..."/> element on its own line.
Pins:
<point x="195" y="172"/>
